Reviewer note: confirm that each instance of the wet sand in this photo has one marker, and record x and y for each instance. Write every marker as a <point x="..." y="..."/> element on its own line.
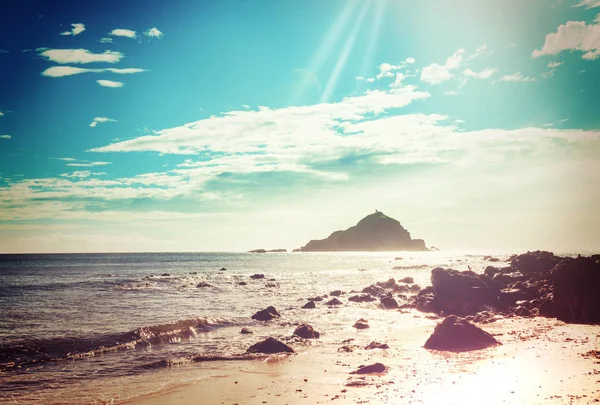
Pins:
<point x="540" y="361"/>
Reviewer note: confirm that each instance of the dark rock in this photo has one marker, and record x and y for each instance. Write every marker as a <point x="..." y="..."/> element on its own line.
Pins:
<point x="491" y="259"/>
<point x="415" y="288"/>
<point x="257" y="251"/>
<point x="257" y="276"/>
<point x="222" y="269"/>
<point x="391" y="283"/>
<point x="461" y="293"/>
<point x="547" y="308"/>
<point x="334" y="301"/>
<point x="491" y="271"/>
<point x="272" y="285"/>
<point x="458" y="335"/>
<point x="309" y="305"/>
<point x="269" y="346"/>
<point x="165" y="275"/>
<point x="360" y="325"/>
<point x="376" y="345"/>
<point x="522" y="311"/>
<point x="508" y="278"/>
<point x="245" y="331"/>
<point x="362" y="298"/>
<point x="296" y="250"/>
<point x="538" y="262"/>
<point x="389" y="303"/>
<point x="306" y="331"/>
<point x="203" y="285"/>
<point x="242" y="283"/>
<point x="277" y="251"/>
<point x="509" y="297"/>
<point x="375" y="232"/>
<point x="577" y="290"/>
<point x="401" y="289"/>
<point x="346" y="349"/>
<point x="376" y="368"/>
<point x="266" y="314"/>
<point x="425" y="301"/>
<point x="375" y="290"/>
<point x="336" y="293"/>
<point x="398" y="258"/>
<point x="484" y="317"/>
<point x="407" y="280"/>
<point x="316" y="299"/>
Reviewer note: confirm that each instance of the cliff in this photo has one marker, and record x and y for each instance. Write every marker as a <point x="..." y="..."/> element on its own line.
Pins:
<point x="375" y="232"/>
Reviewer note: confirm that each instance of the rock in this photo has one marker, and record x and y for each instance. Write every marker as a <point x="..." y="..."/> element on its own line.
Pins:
<point x="257" y="276"/>
<point x="425" y="301"/>
<point x="407" y="280"/>
<point x="203" y="285"/>
<point x="309" y="305"/>
<point x="376" y="345"/>
<point x="375" y="290"/>
<point x="577" y="290"/>
<point x="491" y="271"/>
<point x="459" y="335"/>
<point x="401" y="289"/>
<point x="242" y="283"/>
<point x="272" y="285"/>
<point x="362" y="298"/>
<point x="375" y="232"/>
<point x="461" y="293"/>
<point x="269" y="346"/>
<point x="538" y="262"/>
<point x="277" y="251"/>
<point x="245" y="331"/>
<point x="508" y="278"/>
<point x="509" y="297"/>
<point x="415" y="288"/>
<point x="547" y="308"/>
<point x="389" y="303"/>
<point x="222" y="269"/>
<point x="398" y="258"/>
<point x="334" y="301"/>
<point x="491" y="259"/>
<point x="296" y="250"/>
<point x="257" y="251"/>
<point x="316" y="299"/>
<point x="522" y="311"/>
<point x="266" y="314"/>
<point x="165" y="275"/>
<point x="391" y="283"/>
<point x="376" y="368"/>
<point x="306" y="331"/>
<point x="336" y="293"/>
<point x="360" y="325"/>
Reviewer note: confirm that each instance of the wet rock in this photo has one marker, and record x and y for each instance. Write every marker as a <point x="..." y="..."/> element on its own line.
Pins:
<point x="389" y="303"/>
<point x="538" y="262"/>
<point x="269" y="346"/>
<point x="547" y="308"/>
<point x="374" y="290"/>
<point x="203" y="285"/>
<point x="483" y="317"/>
<point x="491" y="271"/>
<point x="362" y="298"/>
<point x="222" y="269"/>
<point x="165" y="275"/>
<point x="376" y="368"/>
<point x="425" y="301"/>
<point x="376" y="345"/>
<point x="361" y="325"/>
<point x="401" y="289"/>
<point x="458" y="335"/>
<point x="391" y="283"/>
<point x="508" y="278"/>
<point x="509" y="297"/>
<point x="415" y="288"/>
<point x="407" y="280"/>
<point x="306" y="331"/>
<point x="266" y="314"/>
<point x="522" y="311"/>
<point x="257" y="276"/>
<point x="242" y="283"/>
<point x="461" y="293"/>
<point x="336" y="293"/>
<point x="577" y="290"/>
<point x="334" y="301"/>
<point x="316" y="299"/>
<point x="309" y="305"/>
<point x="245" y="331"/>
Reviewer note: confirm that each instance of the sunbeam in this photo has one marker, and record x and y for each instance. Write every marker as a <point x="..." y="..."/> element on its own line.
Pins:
<point x="367" y="62"/>
<point x="331" y="83"/>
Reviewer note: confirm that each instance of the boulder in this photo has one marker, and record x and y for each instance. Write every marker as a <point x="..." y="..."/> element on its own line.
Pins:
<point x="508" y="278"/>
<point x="316" y="299"/>
<point x="266" y="314"/>
<point x="376" y="368"/>
<point x="391" y="283"/>
<point x="461" y="293"/>
<point x="222" y="269"/>
<point x="459" y="335"/>
<point x="362" y="298"/>
<point x="336" y="293"/>
<point x="375" y="290"/>
<point x="509" y="297"/>
<point x="415" y="288"/>
<point x="577" y="290"/>
<point x="257" y="276"/>
<point x="376" y="345"/>
<point x="306" y="331"/>
<point x="389" y="303"/>
<point x="245" y="331"/>
<point x="425" y="301"/>
<point x="360" y="325"/>
<point x="309" y="305"/>
<point x="407" y="280"/>
<point x="538" y="262"/>
<point x="269" y="346"/>
<point x="334" y="301"/>
<point x="242" y="283"/>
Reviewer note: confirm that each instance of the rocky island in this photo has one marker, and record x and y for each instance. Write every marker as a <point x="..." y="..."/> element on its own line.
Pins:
<point x="375" y="232"/>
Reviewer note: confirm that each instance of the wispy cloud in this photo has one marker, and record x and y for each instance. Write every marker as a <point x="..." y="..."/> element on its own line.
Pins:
<point x="100" y="120"/>
<point x="79" y="174"/>
<point x="63" y="56"/>
<point x="436" y="73"/>
<point x="517" y="77"/>
<point x="62" y="71"/>
<point x="109" y="83"/>
<point x="484" y="74"/>
<point x="2" y="51"/>
<point x="573" y="36"/>
<point x="106" y="40"/>
<point x="154" y="33"/>
<point x="588" y="3"/>
<point x="5" y="136"/>
<point x="77" y="29"/>
<point x="120" y="32"/>
<point x="90" y="164"/>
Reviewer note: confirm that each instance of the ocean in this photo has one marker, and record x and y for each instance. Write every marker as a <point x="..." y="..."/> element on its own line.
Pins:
<point x="105" y="328"/>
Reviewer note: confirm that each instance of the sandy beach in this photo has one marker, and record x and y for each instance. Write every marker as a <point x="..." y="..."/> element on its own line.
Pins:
<point x="540" y="361"/>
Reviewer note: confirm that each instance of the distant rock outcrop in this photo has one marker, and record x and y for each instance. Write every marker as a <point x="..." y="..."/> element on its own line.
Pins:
<point x="375" y="232"/>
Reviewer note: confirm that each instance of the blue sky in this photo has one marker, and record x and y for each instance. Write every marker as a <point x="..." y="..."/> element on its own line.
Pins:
<point x="232" y="125"/>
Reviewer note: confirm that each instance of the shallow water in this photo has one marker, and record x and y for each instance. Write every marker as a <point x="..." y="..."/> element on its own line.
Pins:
<point x="102" y="327"/>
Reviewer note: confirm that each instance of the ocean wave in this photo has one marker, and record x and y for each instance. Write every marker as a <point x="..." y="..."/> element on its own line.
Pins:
<point x="35" y="351"/>
<point x="201" y="358"/>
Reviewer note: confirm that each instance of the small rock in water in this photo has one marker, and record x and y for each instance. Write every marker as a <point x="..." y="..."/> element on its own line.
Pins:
<point x="376" y="345"/>
<point x="361" y="325"/>
<point x="257" y="276"/>
<point x="266" y="314"/>
<point x="165" y="275"/>
<point x="269" y="346"/>
<point x="222" y="269"/>
<point x="316" y="299"/>
<point x="245" y="331"/>
<point x="376" y="368"/>
<point x="389" y="303"/>
<point x="407" y="280"/>
<point x="306" y="331"/>
<point x="334" y="301"/>
<point x="242" y="283"/>
<point x="203" y="285"/>
<point x="336" y="293"/>
<point x="362" y="298"/>
<point x="309" y="305"/>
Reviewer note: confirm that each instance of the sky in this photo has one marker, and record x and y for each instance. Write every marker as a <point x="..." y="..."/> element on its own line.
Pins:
<point x="235" y="125"/>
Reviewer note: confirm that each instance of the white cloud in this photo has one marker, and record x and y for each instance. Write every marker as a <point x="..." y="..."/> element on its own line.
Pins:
<point x="386" y="69"/>
<point x="79" y="174"/>
<point x="573" y="36"/>
<point x="451" y="93"/>
<point x="588" y="3"/>
<point x="62" y="71"/>
<point x="101" y="120"/>
<point x="398" y="81"/>
<point x="63" y="56"/>
<point x="106" y="40"/>
<point x="410" y="60"/>
<point x="5" y="136"/>
<point x="109" y="83"/>
<point x="484" y="74"/>
<point x="436" y="73"/>
<point x="90" y="164"/>
<point x="553" y="65"/>
<point x="77" y="29"/>
<point x="370" y="79"/>
<point x="120" y="32"/>
<point x="516" y="77"/>
<point x="361" y="78"/>
<point x="482" y="50"/>
<point x="154" y="33"/>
